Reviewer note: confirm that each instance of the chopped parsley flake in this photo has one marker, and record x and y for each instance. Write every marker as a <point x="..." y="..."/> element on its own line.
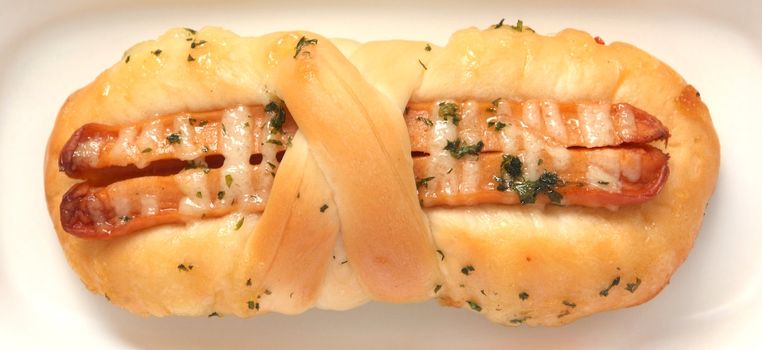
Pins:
<point x="248" y="282"/>
<point x="499" y="24"/>
<point x="197" y="44"/>
<point x="213" y="314"/>
<point x="527" y="190"/>
<point x="203" y="122"/>
<point x="251" y="304"/>
<point x="632" y="287"/>
<point x="228" y="180"/>
<point x="190" y="58"/>
<point x="523" y="296"/>
<point x="519" y="320"/>
<point x="192" y="31"/>
<point x="497" y="125"/>
<point x="146" y="150"/>
<point x="303" y="41"/>
<point x="199" y="195"/>
<point x="220" y="195"/>
<point x="278" y="113"/>
<point x="605" y="292"/>
<point x="466" y="270"/>
<point x="275" y="142"/>
<point x="125" y="218"/>
<point x="428" y="47"/>
<point x="569" y="304"/>
<point x="239" y="223"/>
<point x="426" y="121"/>
<point x="323" y="208"/>
<point x="173" y="138"/>
<point x="127" y="60"/>
<point x="437" y="288"/>
<point x="423" y="182"/>
<point x="459" y="148"/>
<point x="449" y="111"/>
<point x="474" y="306"/>
<point x="156" y="52"/>
<point x="423" y="65"/>
<point x="441" y="253"/>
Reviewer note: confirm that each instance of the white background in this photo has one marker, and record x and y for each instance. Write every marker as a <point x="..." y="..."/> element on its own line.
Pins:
<point x="48" y="49"/>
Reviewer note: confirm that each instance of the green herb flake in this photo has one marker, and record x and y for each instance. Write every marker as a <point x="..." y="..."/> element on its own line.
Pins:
<point x="251" y="304"/>
<point x="228" y="180"/>
<point x="523" y="296"/>
<point x="173" y="138"/>
<point x="603" y="182"/>
<point x="449" y="171"/>
<point x="203" y="122"/>
<point x="127" y="60"/>
<point x="497" y="125"/>
<point x="519" y="320"/>
<point x="437" y="288"/>
<point x="632" y="287"/>
<point x="449" y="111"/>
<point x="197" y="44"/>
<point x="220" y="195"/>
<point x="303" y="41"/>
<point x="213" y="314"/>
<point x="519" y="27"/>
<point x="466" y="270"/>
<point x="190" y="58"/>
<point x="125" y="218"/>
<point x="605" y="292"/>
<point x="423" y="65"/>
<point x="527" y="190"/>
<point x="424" y="182"/>
<point x="248" y="282"/>
<point x="275" y="142"/>
<point x="224" y="129"/>
<point x="156" y="52"/>
<point x="474" y="306"/>
<point x="439" y="251"/>
<point x="199" y="195"/>
<point x="459" y="148"/>
<point x="239" y="223"/>
<point x="268" y="292"/>
<point x="147" y="150"/>
<point x="205" y="149"/>
<point x="428" y="47"/>
<point x="323" y="208"/>
<point x="569" y="304"/>
<point x="278" y="113"/>
<point x="425" y="121"/>
<point x="499" y="24"/>
<point x="189" y="30"/>
<point x="182" y="267"/>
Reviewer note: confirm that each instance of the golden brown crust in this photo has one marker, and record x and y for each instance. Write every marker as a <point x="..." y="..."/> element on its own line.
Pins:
<point x="563" y="259"/>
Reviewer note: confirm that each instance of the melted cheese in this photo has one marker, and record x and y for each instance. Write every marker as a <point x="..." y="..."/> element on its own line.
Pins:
<point x="597" y="128"/>
<point x="627" y="127"/>
<point x="554" y="125"/>
<point x="631" y="167"/>
<point x="441" y="160"/>
<point x="149" y="204"/>
<point x="197" y="198"/>
<point x="124" y="148"/>
<point x="603" y="170"/>
<point x="533" y="146"/>
<point x="89" y="151"/>
<point x="152" y="136"/>
<point x="236" y="147"/>
<point x="531" y="114"/>
<point x="187" y="149"/>
<point x="469" y="181"/>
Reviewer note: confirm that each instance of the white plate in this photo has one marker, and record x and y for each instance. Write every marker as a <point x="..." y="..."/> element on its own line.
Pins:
<point x="49" y="50"/>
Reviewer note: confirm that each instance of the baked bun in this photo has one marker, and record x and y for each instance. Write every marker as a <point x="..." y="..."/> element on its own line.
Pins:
<point x="521" y="176"/>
